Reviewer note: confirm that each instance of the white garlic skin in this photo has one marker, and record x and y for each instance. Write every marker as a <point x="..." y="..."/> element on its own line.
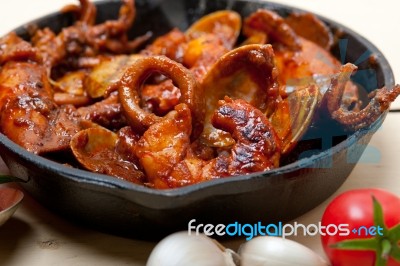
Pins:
<point x="182" y="249"/>
<point x="276" y="251"/>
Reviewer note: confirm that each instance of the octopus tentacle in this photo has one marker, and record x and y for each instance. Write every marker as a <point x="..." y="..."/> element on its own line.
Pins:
<point x="84" y="39"/>
<point x="127" y="14"/>
<point x="356" y="119"/>
<point x="112" y="35"/>
<point x="365" y="117"/>
<point x="169" y="161"/>
<point x="257" y="146"/>
<point x="88" y="12"/>
<point x="334" y="94"/>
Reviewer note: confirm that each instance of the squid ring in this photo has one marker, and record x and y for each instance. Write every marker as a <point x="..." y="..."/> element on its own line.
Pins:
<point x="134" y="77"/>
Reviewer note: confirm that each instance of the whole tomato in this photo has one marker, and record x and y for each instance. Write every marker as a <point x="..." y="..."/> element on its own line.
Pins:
<point x="371" y="219"/>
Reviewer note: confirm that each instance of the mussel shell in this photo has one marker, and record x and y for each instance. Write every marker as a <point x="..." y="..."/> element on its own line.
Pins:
<point x="94" y="146"/>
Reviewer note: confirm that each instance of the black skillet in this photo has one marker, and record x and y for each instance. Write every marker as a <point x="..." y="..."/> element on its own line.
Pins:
<point x="309" y="177"/>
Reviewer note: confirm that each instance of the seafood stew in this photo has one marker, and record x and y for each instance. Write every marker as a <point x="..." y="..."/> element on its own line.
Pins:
<point x="228" y="96"/>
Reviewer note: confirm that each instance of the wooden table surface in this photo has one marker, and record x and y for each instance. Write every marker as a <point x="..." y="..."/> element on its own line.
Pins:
<point x="35" y="236"/>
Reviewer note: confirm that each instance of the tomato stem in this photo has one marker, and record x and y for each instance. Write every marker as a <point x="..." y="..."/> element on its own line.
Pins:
<point x="380" y="261"/>
<point x="8" y="179"/>
<point x="386" y="248"/>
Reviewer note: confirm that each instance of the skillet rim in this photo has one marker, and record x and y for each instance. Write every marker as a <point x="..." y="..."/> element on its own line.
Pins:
<point x="105" y="181"/>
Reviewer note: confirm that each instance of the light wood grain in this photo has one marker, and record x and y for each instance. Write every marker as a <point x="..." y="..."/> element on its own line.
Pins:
<point x="35" y="236"/>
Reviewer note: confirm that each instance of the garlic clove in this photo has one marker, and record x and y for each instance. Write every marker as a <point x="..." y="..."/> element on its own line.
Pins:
<point x="182" y="249"/>
<point x="276" y="251"/>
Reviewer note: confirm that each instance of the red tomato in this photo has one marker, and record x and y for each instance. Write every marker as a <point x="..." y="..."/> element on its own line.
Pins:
<point x="356" y="209"/>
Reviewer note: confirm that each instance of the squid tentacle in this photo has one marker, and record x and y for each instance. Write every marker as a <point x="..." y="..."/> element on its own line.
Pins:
<point x="131" y="82"/>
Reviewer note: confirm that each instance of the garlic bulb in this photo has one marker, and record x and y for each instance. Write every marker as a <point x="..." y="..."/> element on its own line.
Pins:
<point x="276" y="251"/>
<point x="182" y="249"/>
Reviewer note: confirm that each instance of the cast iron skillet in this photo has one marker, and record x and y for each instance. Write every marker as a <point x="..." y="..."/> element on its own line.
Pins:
<point x="108" y="204"/>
